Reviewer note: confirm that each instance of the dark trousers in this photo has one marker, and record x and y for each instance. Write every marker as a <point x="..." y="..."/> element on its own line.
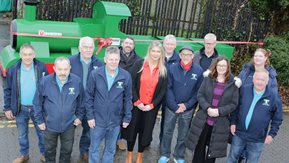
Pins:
<point x="66" y="141"/>
<point x="200" y="154"/>
<point x="84" y="142"/>
<point x="163" y="107"/>
<point x="130" y="144"/>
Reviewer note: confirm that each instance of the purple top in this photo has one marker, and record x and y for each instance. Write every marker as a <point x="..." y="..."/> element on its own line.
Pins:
<point x="218" y="91"/>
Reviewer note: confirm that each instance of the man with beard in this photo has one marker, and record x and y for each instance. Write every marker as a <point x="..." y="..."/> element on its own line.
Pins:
<point x="58" y="105"/>
<point x="128" y="57"/>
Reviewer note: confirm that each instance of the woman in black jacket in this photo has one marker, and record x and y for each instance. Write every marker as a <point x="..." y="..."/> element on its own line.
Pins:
<point x="218" y="96"/>
<point x="149" y="86"/>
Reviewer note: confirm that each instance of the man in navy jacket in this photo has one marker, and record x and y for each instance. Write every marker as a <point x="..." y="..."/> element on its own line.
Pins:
<point x="172" y="57"/>
<point x="58" y="105"/>
<point x="185" y="78"/>
<point x="258" y="108"/>
<point x="21" y="82"/>
<point x="81" y="65"/>
<point x="208" y="53"/>
<point x="108" y="105"/>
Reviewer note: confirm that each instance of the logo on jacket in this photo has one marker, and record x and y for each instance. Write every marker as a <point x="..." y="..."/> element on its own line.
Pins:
<point x="266" y="102"/>
<point x="43" y="74"/>
<point x="71" y="91"/>
<point x="119" y="84"/>
<point x="95" y="67"/>
<point x="194" y="77"/>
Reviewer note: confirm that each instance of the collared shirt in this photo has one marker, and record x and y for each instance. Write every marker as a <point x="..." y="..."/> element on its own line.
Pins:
<point x="109" y="78"/>
<point x="60" y="85"/>
<point x="27" y="84"/>
<point x="85" y="67"/>
<point x="148" y="84"/>
<point x="256" y="98"/>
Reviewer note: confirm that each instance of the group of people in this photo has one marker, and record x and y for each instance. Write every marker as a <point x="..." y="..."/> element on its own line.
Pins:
<point x="120" y="99"/>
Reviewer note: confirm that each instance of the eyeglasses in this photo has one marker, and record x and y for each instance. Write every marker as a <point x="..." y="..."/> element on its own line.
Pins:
<point x="186" y="54"/>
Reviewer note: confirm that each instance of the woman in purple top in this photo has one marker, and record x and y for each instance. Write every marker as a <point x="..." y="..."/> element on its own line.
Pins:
<point x="218" y="96"/>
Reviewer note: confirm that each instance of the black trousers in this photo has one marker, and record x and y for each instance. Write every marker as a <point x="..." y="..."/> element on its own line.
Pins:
<point x="66" y="141"/>
<point x="140" y="132"/>
<point x="200" y="154"/>
<point x="163" y="107"/>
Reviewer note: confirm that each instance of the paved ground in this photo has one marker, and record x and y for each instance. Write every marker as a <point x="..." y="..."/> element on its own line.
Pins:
<point x="274" y="153"/>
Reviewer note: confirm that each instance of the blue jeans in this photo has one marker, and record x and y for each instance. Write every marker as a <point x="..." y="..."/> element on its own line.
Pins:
<point x="171" y="118"/>
<point x="84" y="142"/>
<point x="110" y="136"/>
<point x="253" y="150"/>
<point x="22" y="120"/>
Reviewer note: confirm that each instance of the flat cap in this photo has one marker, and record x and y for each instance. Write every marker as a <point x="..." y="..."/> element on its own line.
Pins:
<point x="187" y="48"/>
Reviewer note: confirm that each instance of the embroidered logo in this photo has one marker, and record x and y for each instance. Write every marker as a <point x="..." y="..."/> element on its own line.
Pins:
<point x="119" y="84"/>
<point x="194" y="77"/>
<point x="71" y="91"/>
<point x="266" y="102"/>
<point x="95" y="67"/>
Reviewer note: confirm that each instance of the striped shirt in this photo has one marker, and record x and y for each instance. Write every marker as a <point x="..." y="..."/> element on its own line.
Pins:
<point x="218" y="91"/>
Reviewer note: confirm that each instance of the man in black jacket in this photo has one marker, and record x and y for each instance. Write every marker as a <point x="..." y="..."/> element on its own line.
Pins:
<point x="128" y="57"/>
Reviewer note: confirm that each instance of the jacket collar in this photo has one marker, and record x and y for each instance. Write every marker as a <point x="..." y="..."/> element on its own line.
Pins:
<point x="69" y="80"/>
<point x="215" y="54"/>
<point x="18" y="63"/>
<point x="175" y="57"/>
<point x="119" y="76"/>
<point x="93" y="58"/>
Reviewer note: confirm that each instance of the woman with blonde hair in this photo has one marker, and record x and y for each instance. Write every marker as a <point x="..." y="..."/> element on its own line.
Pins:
<point x="149" y="87"/>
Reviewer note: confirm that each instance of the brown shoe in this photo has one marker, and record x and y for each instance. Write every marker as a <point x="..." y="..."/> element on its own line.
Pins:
<point x="139" y="157"/>
<point x="42" y="158"/>
<point x="84" y="157"/>
<point x="121" y="145"/>
<point x="21" y="159"/>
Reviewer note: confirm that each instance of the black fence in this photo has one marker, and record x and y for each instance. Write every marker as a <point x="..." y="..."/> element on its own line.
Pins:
<point x="229" y="19"/>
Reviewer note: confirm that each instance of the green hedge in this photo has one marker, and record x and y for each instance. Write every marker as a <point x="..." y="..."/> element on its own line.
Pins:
<point x="279" y="46"/>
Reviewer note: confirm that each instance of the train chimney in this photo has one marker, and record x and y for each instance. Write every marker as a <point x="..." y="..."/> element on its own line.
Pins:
<point x="30" y="9"/>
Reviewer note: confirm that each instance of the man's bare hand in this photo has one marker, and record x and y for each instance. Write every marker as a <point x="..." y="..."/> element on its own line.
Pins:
<point x="233" y="129"/>
<point x="124" y="124"/>
<point x="42" y="126"/>
<point x="9" y="115"/>
<point x="268" y="139"/>
<point x="77" y="122"/>
<point x="91" y="123"/>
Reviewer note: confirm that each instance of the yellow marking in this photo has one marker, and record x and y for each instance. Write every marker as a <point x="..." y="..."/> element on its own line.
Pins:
<point x="11" y="124"/>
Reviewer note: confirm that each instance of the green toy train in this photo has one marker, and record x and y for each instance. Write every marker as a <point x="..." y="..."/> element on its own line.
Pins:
<point x="52" y="39"/>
